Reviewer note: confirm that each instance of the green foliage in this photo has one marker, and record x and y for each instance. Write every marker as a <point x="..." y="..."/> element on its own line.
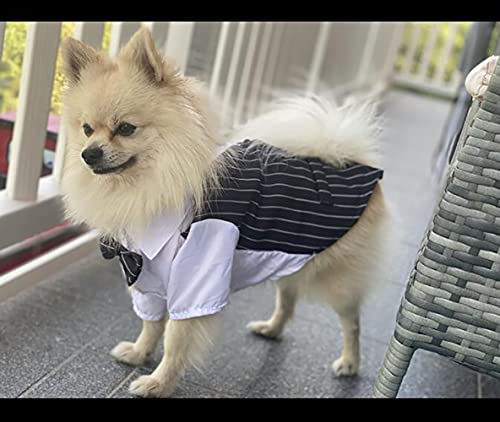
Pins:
<point x="12" y="59"/>
<point x="436" y="55"/>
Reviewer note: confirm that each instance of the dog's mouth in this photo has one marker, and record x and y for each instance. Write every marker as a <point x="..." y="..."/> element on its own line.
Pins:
<point x="116" y="169"/>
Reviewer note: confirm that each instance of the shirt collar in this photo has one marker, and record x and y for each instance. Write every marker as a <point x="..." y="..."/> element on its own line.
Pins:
<point x="159" y="232"/>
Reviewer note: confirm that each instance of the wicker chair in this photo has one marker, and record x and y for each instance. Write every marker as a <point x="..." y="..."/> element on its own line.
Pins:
<point x="451" y="305"/>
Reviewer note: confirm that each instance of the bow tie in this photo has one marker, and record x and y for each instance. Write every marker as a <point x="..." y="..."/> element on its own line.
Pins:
<point x="131" y="262"/>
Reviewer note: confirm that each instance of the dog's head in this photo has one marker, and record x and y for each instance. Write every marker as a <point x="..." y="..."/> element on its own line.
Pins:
<point x="140" y="133"/>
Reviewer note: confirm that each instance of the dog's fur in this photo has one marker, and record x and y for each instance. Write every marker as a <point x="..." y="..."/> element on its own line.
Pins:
<point x="176" y="144"/>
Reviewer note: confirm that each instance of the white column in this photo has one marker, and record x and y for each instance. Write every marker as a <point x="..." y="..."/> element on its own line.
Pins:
<point x="30" y="130"/>
<point x="178" y="43"/>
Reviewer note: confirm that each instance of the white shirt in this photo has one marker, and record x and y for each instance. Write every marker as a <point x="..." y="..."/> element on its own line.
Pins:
<point x="193" y="277"/>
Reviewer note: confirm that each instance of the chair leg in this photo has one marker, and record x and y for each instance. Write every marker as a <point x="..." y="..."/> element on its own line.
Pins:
<point x="396" y="362"/>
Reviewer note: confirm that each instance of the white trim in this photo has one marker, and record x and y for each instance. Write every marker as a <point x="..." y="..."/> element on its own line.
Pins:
<point x="46" y="265"/>
<point x="178" y="45"/>
<point x="30" y="130"/>
<point x="449" y="90"/>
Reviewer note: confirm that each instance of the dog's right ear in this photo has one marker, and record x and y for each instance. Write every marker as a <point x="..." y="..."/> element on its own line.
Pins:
<point x="76" y="57"/>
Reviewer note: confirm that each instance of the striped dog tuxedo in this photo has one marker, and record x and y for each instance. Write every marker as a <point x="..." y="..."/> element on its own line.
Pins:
<point x="267" y="216"/>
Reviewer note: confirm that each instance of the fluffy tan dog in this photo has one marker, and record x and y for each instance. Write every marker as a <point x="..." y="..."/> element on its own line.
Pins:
<point x="142" y="138"/>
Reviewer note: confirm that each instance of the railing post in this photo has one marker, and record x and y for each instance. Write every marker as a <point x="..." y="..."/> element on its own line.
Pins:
<point x="247" y="67"/>
<point x="393" y="50"/>
<point x="270" y="72"/>
<point x="219" y="58"/>
<point x="259" y="68"/>
<point x="318" y="56"/>
<point x="428" y="50"/>
<point x="410" y="54"/>
<point x="447" y="50"/>
<point x="367" y="56"/>
<point x="159" y="31"/>
<point x="121" y="32"/>
<point x="2" y="34"/>
<point x="233" y="66"/>
<point x="90" y="33"/>
<point x="178" y="45"/>
<point x="30" y="130"/>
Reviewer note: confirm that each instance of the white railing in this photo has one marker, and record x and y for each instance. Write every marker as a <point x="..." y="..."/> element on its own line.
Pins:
<point x="243" y="63"/>
<point x="427" y="57"/>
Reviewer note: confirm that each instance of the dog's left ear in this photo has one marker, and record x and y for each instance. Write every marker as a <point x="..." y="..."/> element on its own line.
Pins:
<point x="141" y="52"/>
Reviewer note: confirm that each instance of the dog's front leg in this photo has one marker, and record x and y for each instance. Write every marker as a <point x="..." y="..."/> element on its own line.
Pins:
<point x="136" y="353"/>
<point x="185" y="344"/>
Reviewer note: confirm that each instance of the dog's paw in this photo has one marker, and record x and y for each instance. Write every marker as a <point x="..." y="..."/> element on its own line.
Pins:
<point x="263" y="328"/>
<point x="149" y="386"/>
<point x="126" y="352"/>
<point x="345" y="367"/>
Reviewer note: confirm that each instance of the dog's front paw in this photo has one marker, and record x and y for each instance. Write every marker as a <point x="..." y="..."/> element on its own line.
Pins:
<point x="264" y="328"/>
<point x="345" y="367"/>
<point x="149" y="386"/>
<point x="126" y="352"/>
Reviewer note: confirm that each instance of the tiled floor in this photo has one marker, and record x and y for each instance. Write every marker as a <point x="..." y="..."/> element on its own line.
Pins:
<point x="55" y="338"/>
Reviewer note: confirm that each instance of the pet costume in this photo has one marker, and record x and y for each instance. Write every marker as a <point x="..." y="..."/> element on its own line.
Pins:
<point x="267" y="217"/>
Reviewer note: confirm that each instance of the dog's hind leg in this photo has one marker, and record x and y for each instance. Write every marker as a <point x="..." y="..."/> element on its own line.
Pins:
<point x="286" y="298"/>
<point x="136" y="353"/>
<point x="348" y="363"/>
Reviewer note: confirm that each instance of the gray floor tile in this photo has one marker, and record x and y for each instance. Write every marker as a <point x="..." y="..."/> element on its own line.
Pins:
<point x="490" y="387"/>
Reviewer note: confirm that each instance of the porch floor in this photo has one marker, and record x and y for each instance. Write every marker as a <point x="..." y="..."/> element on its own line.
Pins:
<point x="55" y="338"/>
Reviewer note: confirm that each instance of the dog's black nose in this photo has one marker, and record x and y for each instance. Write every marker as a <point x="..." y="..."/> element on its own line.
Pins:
<point x="92" y="155"/>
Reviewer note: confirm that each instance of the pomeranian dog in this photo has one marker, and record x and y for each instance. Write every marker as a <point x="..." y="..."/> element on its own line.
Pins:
<point x="292" y="196"/>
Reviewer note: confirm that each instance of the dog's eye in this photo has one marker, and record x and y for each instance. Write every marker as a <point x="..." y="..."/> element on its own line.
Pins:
<point x="87" y="130"/>
<point x="125" y="129"/>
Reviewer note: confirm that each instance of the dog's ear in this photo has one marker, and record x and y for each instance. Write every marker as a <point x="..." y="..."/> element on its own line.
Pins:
<point x="140" y="51"/>
<point x="76" y="57"/>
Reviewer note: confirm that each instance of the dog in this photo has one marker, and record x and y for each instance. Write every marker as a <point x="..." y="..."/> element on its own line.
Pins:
<point x="145" y="155"/>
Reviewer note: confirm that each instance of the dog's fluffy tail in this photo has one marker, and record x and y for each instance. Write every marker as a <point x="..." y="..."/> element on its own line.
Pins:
<point x="317" y="126"/>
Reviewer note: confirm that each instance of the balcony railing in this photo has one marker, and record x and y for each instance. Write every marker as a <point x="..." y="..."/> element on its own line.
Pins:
<point x="243" y="64"/>
<point x="428" y="56"/>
